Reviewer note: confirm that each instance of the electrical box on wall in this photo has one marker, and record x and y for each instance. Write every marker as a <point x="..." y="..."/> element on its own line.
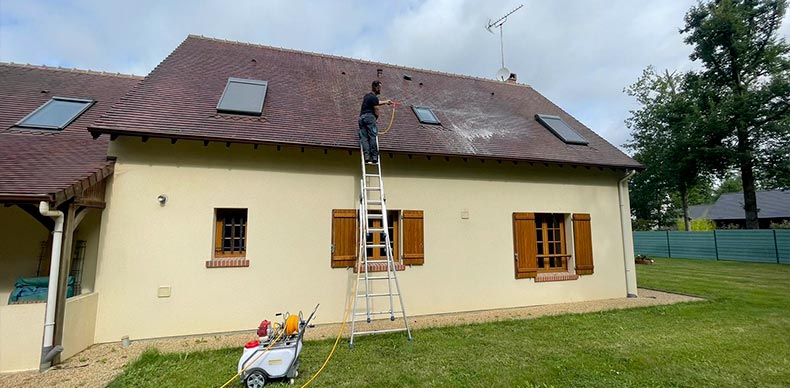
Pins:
<point x="163" y="292"/>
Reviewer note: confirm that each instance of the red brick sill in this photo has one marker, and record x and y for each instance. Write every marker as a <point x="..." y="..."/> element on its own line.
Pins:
<point x="379" y="267"/>
<point x="230" y="262"/>
<point x="555" y="277"/>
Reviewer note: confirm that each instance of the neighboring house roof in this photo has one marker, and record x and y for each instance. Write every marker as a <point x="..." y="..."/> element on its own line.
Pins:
<point x="772" y="204"/>
<point x="38" y="164"/>
<point x="699" y="211"/>
<point x="314" y="100"/>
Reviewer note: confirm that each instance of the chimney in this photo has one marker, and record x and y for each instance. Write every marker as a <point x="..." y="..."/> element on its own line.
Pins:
<point x="512" y="79"/>
<point x="378" y="73"/>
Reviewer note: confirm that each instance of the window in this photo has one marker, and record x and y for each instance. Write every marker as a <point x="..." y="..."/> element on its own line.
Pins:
<point x="406" y="237"/>
<point x="56" y="113"/>
<point x="425" y="115"/>
<point x="560" y="129"/>
<point x="245" y="96"/>
<point x="550" y="241"/>
<point x="230" y="239"/>
<point x="540" y="244"/>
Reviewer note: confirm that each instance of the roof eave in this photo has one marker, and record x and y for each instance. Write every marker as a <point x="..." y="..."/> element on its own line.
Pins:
<point x="97" y="131"/>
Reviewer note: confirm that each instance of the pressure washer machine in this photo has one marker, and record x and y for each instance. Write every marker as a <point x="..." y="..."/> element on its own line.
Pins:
<point x="275" y="354"/>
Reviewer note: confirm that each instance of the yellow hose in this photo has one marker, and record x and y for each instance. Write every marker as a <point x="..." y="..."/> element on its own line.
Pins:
<point x="342" y="326"/>
<point x="392" y="119"/>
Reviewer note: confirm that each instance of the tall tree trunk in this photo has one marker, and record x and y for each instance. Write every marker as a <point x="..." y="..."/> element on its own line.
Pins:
<point x="747" y="177"/>
<point x="684" y="198"/>
<point x="749" y="195"/>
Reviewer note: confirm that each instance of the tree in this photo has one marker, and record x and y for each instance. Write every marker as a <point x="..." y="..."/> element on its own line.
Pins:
<point x="651" y="206"/>
<point x="743" y="90"/>
<point x="732" y="184"/>
<point x="664" y="135"/>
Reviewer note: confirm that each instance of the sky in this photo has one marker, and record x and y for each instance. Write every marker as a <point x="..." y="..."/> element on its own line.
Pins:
<point x="580" y="54"/>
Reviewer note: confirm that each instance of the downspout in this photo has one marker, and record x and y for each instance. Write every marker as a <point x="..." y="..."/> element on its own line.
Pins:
<point x="47" y="351"/>
<point x="625" y="227"/>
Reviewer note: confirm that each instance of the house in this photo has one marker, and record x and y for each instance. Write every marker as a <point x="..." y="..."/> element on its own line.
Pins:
<point x="773" y="205"/>
<point x="236" y="177"/>
<point x="47" y="154"/>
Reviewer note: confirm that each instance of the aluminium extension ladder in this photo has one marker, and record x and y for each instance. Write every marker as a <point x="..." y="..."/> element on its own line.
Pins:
<point x="376" y="286"/>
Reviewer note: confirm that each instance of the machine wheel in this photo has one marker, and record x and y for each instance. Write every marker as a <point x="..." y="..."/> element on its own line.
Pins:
<point x="291" y="382"/>
<point x="255" y="379"/>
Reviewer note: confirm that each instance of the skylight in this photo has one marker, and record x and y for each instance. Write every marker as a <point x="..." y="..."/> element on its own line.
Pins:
<point x="244" y="96"/>
<point x="56" y="113"/>
<point x="425" y="115"/>
<point x="560" y="129"/>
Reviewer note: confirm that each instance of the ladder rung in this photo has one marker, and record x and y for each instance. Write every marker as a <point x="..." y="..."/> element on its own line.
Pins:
<point x="373" y="188"/>
<point x="375" y="216"/>
<point x="375" y="246"/>
<point x="379" y="331"/>
<point x="375" y="261"/>
<point x="375" y="202"/>
<point x="380" y="313"/>
<point x="379" y="277"/>
<point x="379" y="295"/>
<point x="375" y="230"/>
<point x="372" y="175"/>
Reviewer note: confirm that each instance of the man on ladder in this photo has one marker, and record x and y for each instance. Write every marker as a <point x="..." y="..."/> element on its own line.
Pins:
<point x="373" y="221"/>
<point x="368" y="131"/>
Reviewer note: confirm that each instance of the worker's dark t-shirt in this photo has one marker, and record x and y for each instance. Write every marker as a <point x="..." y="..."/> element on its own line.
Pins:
<point x="370" y="101"/>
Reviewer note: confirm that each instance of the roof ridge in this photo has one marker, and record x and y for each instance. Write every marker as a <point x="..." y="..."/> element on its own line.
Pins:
<point x="71" y="70"/>
<point x="357" y="60"/>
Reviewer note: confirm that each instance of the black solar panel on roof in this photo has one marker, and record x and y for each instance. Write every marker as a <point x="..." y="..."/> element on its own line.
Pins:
<point x="560" y="129"/>
<point x="243" y="96"/>
<point x="425" y="115"/>
<point x="56" y="113"/>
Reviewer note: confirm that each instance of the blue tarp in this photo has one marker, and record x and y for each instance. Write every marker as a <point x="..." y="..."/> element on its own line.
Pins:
<point x="35" y="289"/>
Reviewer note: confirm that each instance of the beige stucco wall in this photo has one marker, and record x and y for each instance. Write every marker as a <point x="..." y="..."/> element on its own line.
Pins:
<point x="21" y="332"/>
<point x="80" y="324"/>
<point x="289" y="195"/>
<point x="20" y="245"/>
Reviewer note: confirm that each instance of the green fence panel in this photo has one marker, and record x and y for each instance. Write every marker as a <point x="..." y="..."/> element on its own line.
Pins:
<point x="651" y="244"/>
<point x="692" y="245"/>
<point x="747" y="245"/>
<point x="783" y="245"/>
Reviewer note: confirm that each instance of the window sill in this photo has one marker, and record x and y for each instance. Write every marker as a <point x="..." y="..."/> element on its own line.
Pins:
<point x="380" y="267"/>
<point x="228" y="262"/>
<point x="555" y="277"/>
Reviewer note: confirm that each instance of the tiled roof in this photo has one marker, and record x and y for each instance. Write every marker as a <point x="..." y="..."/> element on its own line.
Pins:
<point x="314" y="100"/>
<point x="40" y="164"/>
<point x="772" y="204"/>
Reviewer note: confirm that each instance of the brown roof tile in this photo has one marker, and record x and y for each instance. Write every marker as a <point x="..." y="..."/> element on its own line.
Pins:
<point x="314" y="100"/>
<point x="38" y="164"/>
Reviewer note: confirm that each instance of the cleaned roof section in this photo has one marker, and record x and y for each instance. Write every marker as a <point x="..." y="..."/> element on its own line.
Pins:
<point x="36" y="164"/>
<point x="313" y="100"/>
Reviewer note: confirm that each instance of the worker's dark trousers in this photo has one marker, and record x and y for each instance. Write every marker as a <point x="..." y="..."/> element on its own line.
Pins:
<point x="367" y="136"/>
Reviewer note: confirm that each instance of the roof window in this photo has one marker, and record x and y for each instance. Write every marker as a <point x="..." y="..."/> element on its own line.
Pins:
<point x="56" y="113"/>
<point x="243" y="96"/>
<point x="425" y="115"/>
<point x="560" y="129"/>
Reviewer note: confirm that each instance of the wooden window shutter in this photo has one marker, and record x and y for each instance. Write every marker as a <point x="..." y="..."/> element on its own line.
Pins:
<point x="525" y="245"/>
<point x="582" y="242"/>
<point x="344" y="238"/>
<point x="413" y="237"/>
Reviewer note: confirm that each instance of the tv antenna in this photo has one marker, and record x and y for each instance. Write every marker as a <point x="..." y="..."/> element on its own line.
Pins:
<point x="503" y="73"/>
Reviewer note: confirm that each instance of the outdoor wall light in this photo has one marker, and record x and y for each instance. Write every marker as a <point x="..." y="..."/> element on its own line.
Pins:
<point x="162" y="198"/>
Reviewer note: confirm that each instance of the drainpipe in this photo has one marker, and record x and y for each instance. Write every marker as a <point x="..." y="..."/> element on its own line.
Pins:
<point x="47" y="351"/>
<point x="625" y="227"/>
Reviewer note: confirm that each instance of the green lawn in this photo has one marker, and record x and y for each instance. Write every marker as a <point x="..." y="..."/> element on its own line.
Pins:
<point x="739" y="337"/>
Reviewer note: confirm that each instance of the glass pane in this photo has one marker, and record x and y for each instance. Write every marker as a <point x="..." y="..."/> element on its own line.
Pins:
<point x="243" y="96"/>
<point x="540" y="249"/>
<point x="55" y="114"/>
<point x="561" y="129"/>
<point x="540" y="262"/>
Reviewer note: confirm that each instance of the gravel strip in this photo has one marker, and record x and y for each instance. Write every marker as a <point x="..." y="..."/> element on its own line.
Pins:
<point x="98" y="365"/>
